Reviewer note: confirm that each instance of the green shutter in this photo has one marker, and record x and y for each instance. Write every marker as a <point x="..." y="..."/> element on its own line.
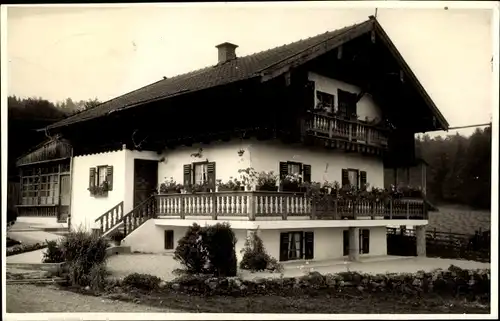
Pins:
<point x="284" y="239"/>
<point x="92" y="172"/>
<point x="211" y="175"/>
<point x="283" y="170"/>
<point x="109" y="177"/>
<point x="307" y="173"/>
<point x="309" y="245"/>
<point x="187" y="175"/>
<point x="345" y="177"/>
<point x="362" y="179"/>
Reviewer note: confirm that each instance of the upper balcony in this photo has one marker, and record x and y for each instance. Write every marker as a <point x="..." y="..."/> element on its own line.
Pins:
<point x="260" y="205"/>
<point x="340" y="131"/>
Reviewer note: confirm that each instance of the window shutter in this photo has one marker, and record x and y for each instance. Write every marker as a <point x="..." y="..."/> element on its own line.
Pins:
<point x="362" y="179"/>
<point x="284" y="239"/>
<point x="211" y="175"/>
<point x="187" y="175"/>
<point x="345" y="177"/>
<point x="283" y="170"/>
<point x="309" y="93"/>
<point x="109" y="177"/>
<point x="309" y="246"/>
<point x="169" y="240"/>
<point x="307" y="173"/>
<point x="92" y="177"/>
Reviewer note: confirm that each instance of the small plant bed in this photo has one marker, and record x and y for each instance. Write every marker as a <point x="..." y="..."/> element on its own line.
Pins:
<point x="24" y="248"/>
<point x="441" y="291"/>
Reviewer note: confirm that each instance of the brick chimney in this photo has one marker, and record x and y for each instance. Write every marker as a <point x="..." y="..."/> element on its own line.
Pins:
<point x="227" y="51"/>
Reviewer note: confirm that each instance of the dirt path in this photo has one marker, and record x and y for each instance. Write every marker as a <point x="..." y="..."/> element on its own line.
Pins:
<point x="39" y="299"/>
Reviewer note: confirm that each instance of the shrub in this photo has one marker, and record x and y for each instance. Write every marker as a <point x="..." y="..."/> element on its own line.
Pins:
<point x="208" y="250"/>
<point x="255" y="258"/>
<point x="190" y="251"/>
<point x="142" y="281"/>
<point x="219" y="241"/>
<point x="97" y="277"/>
<point x="54" y="253"/>
<point x="83" y="251"/>
<point x="23" y="248"/>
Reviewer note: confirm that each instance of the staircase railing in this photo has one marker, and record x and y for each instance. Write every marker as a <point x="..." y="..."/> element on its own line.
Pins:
<point x="110" y="219"/>
<point x="139" y="215"/>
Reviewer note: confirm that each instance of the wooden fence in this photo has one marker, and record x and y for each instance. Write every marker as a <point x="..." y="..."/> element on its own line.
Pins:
<point x="476" y="247"/>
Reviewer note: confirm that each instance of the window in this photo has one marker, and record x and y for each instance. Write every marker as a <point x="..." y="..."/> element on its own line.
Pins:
<point x="293" y="168"/>
<point x="325" y="101"/>
<point x="353" y="177"/>
<point x="347" y="103"/>
<point x="101" y="175"/>
<point x="201" y="173"/>
<point x="296" y="246"/>
<point x="40" y="186"/>
<point x="169" y="240"/>
<point x="364" y="241"/>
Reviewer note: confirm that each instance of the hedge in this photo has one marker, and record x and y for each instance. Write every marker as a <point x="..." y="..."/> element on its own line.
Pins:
<point x="474" y="284"/>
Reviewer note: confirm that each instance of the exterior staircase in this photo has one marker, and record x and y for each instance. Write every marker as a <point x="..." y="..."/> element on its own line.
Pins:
<point x="114" y="220"/>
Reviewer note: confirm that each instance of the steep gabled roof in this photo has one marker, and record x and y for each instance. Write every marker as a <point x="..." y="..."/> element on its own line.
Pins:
<point x="266" y="65"/>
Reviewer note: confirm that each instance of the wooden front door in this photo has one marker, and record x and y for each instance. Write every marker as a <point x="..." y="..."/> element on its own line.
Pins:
<point x="145" y="179"/>
<point x="64" y="197"/>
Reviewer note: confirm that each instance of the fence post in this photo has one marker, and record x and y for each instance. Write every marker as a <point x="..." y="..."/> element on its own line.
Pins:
<point x="182" y="215"/>
<point x="407" y="210"/>
<point x="390" y="209"/>
<point x="251" y="208"/>
<point x="213" y="197"/>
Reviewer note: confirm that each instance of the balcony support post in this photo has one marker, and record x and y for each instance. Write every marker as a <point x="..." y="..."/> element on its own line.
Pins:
<point x="353" y="244"/>
<point x="421" y="240"/>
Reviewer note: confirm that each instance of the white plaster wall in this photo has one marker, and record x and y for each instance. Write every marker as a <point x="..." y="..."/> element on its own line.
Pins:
<point x="326" y="165"/>
<point x="366" y="107"/>
<point x="84" y="207"/>
<point x="150" y="238"/>
<point x="328" y="242"/>
<point x="228" y="162"/>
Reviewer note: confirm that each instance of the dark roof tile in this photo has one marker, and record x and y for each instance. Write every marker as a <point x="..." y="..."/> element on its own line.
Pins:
<point x="232" y="71"/>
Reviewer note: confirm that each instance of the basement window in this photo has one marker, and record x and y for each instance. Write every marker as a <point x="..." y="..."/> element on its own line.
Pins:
<point x="169" y="240"/>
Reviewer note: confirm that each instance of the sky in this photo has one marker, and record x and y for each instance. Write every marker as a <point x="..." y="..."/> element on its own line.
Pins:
<point x="86" y="53"/>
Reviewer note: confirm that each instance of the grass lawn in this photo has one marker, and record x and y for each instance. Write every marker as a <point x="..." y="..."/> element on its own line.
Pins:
<point x="321" y="303"/>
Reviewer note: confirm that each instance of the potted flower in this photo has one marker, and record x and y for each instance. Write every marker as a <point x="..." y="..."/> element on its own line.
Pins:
<point x="232" y="185"/>
<point x="170" y="187"/>
<point x="198" y="188"/>
<point x="248" y="177"/>
<point x="291" y="183"/>
<point x="100" y="190"/>
<point x="267" y="181"/>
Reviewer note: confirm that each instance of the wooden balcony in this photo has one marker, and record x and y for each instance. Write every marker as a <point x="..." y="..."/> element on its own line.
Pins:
<point x="259" y="205"/>
<point x="340" y="131"/>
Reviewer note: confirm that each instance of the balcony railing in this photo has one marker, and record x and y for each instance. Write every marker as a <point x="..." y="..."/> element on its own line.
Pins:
<point x="333" y="127"/>
<point x="268" y="204"/>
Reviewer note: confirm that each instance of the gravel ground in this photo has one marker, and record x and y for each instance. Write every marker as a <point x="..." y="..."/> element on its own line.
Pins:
<point x="40" y="299"/>
<point x="163" y="265"/>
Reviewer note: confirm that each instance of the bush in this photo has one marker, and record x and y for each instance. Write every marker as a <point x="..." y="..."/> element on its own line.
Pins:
<point x="142" y="281"/>
<point x="255" y="258"/>
<point x="83" y="251"/>
<point x="208" y="250"/>
<point x="54" y="253"/>
<point x="23" y="248"/>
<point x="220" y="242"/>
<point x="190" y="251"/>
<point x="97" y="277"/>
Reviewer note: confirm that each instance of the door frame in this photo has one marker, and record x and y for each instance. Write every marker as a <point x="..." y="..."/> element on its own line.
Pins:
<point x="135" y="172"/>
